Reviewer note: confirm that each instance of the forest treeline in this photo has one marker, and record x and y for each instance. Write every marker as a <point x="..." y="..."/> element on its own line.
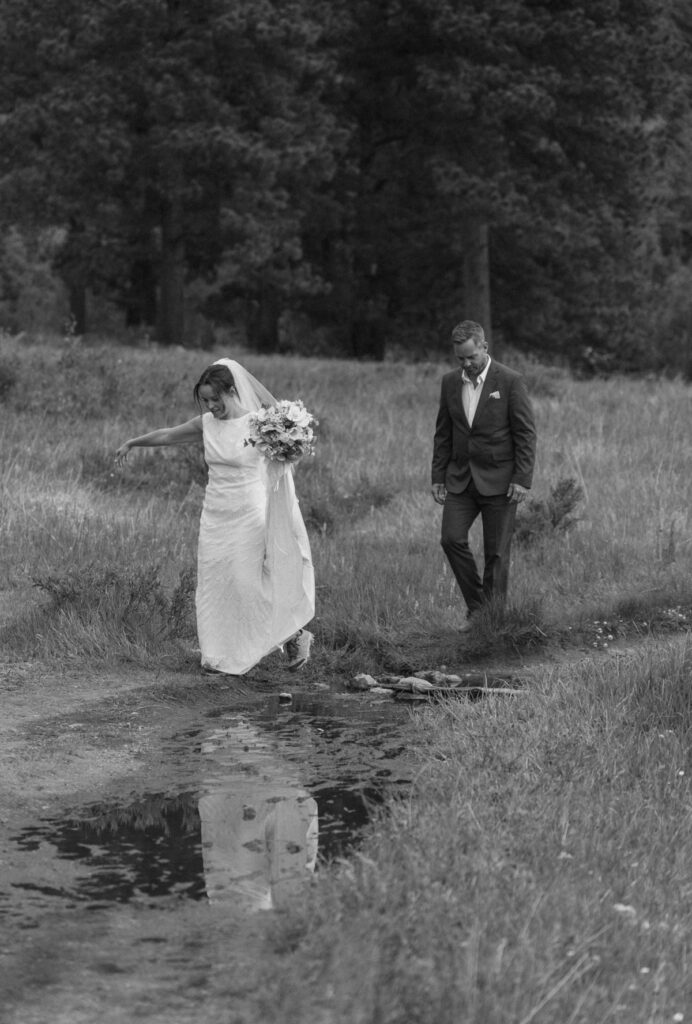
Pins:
<point x="344" y="176"/>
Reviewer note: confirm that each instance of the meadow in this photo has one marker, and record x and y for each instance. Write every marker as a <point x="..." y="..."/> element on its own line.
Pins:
<point x="109" y="549"/>
<point x="540" y="869"/>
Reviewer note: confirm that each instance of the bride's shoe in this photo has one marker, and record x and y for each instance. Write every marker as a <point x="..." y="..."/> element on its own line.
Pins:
<point x="298" y="649"/>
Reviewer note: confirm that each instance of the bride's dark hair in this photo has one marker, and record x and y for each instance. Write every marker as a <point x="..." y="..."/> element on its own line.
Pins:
<point x="217" y="377"/>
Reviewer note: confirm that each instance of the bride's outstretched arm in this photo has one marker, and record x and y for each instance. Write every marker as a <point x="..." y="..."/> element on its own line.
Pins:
<point x="184" y="433"/>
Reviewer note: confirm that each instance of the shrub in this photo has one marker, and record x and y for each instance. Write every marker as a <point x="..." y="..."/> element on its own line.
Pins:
<point x="131" y="600"/>
<point x="327" y="505"/>
<point x="554" y="515"/>
<point x="32" y="295"/>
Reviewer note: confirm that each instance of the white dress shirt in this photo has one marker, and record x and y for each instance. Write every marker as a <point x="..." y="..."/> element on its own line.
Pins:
<point x="471" y="391"/>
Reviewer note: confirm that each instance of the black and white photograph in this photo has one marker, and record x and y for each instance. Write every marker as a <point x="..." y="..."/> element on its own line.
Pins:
<point x="345" y="512"/>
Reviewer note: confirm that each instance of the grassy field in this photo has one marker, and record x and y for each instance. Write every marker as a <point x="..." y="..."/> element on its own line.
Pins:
<point x="541" y="869"/>
<point x="111" y="551"/>
<point x="539" y="872"/>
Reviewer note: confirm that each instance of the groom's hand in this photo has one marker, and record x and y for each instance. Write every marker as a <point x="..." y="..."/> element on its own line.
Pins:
<point x="438" y="492"/>
<point x="517" y="493"/>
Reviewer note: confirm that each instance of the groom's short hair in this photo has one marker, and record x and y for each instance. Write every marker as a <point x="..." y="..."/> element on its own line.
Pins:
<point x="468" y="329"/>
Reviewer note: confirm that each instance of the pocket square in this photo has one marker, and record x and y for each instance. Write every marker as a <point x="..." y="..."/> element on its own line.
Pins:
<point x="494" y="394"/>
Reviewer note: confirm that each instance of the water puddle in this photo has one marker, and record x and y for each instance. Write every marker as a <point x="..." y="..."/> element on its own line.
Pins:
<point x="258" y="800"/>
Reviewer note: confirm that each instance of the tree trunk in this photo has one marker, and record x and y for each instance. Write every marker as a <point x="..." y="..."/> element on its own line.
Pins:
<point x="262" y="320"/>
<point x="477" y="275"/>
<point x="368" y="340"/>
<point x="78" y="307"/>
<point x="141" y="295"/>
<point x="171" y="320"/>
<point x="368" y="317"/>
<point x="71" y="264"/>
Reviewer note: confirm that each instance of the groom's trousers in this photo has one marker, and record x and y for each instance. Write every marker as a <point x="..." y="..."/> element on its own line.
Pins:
<point x="497" y="513"/>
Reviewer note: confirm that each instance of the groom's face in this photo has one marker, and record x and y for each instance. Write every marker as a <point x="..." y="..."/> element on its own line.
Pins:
<point x="471" y="356"/>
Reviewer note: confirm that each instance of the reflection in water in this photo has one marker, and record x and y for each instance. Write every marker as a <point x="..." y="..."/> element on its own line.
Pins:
<point x="242" y="828"/>
<point x="149" y="848"/>
<point x="259" y="829"/>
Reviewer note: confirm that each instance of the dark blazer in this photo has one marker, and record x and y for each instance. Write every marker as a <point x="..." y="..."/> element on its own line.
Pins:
<point x="499" y="448"/>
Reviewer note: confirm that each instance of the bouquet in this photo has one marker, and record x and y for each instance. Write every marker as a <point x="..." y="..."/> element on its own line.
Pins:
<point x="283" y="432"/>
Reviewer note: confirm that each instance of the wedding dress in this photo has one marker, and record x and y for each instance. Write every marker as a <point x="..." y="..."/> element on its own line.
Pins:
<point x="259" y="825"/>
<point x="255" y="580"/>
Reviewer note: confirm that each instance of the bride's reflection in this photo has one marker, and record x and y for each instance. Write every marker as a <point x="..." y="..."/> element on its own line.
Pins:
<point x="259" y="826"/>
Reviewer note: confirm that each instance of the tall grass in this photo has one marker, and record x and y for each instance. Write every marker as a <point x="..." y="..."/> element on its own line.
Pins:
<point x="538" y="872"/>
<point x="382" y="579"/>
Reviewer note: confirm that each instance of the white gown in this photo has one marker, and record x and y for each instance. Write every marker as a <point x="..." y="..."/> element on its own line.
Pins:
<point x="259" y="825"/>
<point x="255" y="580"/>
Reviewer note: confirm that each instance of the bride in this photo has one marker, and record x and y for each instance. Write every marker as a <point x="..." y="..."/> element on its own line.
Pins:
<point x="255" y="580"/>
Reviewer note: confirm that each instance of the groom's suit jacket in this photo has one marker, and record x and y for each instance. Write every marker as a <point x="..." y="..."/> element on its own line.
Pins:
<point x="499" y="448"/>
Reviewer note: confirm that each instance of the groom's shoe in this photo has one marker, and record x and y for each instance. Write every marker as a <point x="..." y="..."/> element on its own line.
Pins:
<point x="298" y="649"/>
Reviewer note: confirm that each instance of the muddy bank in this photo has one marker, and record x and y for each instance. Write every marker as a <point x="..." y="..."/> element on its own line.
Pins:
<point x="149" y="819"/>
<point x="146" y="819"/>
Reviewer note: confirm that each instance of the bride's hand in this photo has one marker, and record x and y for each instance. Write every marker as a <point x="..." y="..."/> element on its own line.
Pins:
<point x="121" y="454"/>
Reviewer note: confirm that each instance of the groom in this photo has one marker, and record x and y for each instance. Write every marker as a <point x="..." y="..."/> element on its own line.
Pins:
<point x="483" y="457"/>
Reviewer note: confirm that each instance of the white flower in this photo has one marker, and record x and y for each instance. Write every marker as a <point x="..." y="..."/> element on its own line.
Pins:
<point x="625" y="908"/>
<point x="303" y="419"/>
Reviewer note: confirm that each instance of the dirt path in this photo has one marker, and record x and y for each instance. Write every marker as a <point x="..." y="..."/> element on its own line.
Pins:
<point x="72" y="737"/>
<point x="70" y="733"/>
<point x="69" y="739"/>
